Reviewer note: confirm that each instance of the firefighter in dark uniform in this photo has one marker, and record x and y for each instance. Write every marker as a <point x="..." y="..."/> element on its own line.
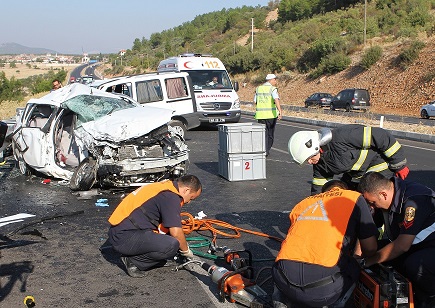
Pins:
<point x="408" y="209"/>
<point x="315" y="266"/>
<point x="146" y="226"/>
<point x="350" y="150"/>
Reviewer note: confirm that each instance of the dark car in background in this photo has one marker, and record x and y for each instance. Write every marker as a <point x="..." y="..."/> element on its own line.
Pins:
<point x="351" y="99"/>
<point x="318" y="100"/>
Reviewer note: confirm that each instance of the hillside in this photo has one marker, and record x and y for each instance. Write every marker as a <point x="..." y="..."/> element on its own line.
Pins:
<point x="280" y="47"/>
<point x="16" y="49"/>
<point x="392" y="89"/>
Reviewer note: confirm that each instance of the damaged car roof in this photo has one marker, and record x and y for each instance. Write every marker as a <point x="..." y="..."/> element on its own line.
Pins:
<point x="106" y="118"/>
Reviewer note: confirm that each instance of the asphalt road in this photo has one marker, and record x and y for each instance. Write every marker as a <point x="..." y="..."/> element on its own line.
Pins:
<point x="60" y="263"/>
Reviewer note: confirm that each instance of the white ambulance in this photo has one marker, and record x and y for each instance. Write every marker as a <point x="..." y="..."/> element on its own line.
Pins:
<point x="216" y="97"/>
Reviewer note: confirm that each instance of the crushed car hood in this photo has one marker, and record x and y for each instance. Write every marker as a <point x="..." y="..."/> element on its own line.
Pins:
<point x="128" y="123"/>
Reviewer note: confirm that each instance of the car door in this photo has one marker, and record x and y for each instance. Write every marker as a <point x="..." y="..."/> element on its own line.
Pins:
<point x="310" y="99"/>
<point x="33" y="140"/>
<point x="315" y="100"/>
<point x="338" y="99"/>
<point x="346" y="98"/>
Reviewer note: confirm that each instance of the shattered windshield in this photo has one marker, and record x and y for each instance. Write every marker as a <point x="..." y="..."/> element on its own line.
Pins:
<point x="91" y="108"/>
<point x="210" y="79"/>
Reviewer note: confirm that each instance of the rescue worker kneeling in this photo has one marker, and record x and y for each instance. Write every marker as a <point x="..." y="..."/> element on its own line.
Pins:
<point x="146" y="226"/>
<point x="315" y="266"/>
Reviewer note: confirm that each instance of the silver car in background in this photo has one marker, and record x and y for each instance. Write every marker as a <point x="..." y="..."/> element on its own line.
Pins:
<point x="88" y="136"/>
<point x="428" y="110"/>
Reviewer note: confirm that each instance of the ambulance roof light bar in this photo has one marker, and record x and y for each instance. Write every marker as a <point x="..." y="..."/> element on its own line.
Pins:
<point x="195" y="55"/>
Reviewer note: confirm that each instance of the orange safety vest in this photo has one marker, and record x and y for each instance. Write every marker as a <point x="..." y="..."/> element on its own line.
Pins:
<point x="318" y="226"/>
<point x="138" y="198"/>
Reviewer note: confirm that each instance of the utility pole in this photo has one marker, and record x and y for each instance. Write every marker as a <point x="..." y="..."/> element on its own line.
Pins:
<point x="365" y="22"/>
<point x="252" y="37"/>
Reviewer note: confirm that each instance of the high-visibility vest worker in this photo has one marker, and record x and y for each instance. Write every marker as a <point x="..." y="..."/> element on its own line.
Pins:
<point x="266" y="107"/>
<point x="318" y="226"/>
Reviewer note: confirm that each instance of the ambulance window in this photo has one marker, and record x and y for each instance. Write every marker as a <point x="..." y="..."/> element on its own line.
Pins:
<point x="149" y="91"/>
<point x="176" y="87"/>
<point x="122" y="88"/>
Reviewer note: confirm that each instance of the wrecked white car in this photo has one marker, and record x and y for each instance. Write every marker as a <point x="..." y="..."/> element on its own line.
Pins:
<point x="88" y="136"/>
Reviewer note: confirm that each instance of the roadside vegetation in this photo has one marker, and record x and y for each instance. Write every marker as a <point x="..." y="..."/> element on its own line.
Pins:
<point x="371" y="56"/>
<point x="315" y="37"/>
<point x="13" y="91"/>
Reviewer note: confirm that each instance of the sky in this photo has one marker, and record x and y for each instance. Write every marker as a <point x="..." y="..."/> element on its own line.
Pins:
<point x="94" y="26"/>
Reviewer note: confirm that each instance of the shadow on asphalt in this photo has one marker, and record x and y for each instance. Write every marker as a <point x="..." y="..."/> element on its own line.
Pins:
<point x="17" y="272"/>
<point x="111" y="255"/>
<point x="209" y="167"/>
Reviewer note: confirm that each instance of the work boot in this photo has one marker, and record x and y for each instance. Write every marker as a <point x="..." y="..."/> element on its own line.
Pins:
<point x="132" y="269"/>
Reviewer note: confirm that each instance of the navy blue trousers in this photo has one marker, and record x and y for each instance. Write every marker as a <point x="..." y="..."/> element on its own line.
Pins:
<point x="145" y="248"/>
<point x="270" y="132"/>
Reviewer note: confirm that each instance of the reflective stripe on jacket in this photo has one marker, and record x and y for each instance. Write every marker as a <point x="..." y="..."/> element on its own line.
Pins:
<point x="317" y="228"/>
<point x="138" y="197"/>
<point x="354" y="150"/>
<point x="266" y="108"/>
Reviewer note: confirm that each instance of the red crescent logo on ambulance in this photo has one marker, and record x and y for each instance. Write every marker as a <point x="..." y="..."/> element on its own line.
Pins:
<point x="186" y="64"/>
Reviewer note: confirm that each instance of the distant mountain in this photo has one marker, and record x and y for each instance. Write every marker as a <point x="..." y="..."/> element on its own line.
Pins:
<point x="16" y="49"/>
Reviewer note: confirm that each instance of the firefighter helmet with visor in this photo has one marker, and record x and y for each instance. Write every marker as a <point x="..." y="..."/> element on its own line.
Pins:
<point x="305" y="144"/>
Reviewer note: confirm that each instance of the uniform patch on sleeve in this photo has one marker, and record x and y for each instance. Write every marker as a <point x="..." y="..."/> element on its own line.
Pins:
<point x="409" y="217"/>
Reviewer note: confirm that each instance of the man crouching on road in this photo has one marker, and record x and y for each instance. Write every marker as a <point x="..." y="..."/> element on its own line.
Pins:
<point x="315" y="266"/>
<point x="146" y="226"/>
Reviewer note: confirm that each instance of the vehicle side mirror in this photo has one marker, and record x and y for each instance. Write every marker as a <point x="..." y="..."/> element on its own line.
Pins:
<point x="236" y="86"/>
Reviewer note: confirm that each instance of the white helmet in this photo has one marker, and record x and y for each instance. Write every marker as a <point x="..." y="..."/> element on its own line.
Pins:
<point x="304" y="144"/>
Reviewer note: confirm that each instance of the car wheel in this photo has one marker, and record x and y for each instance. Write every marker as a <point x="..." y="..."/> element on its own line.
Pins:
<point x="23" y="166"/>
<point x="179" y="127"/>
<point x="85" y="176"/>
<point x="331" y="107"/>
<point x="347" y="107"/>
<point x="424" y="114"/>
<point x="306" y="105"/>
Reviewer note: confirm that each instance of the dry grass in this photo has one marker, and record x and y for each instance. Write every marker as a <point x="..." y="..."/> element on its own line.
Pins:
<point x="22" y="71"/>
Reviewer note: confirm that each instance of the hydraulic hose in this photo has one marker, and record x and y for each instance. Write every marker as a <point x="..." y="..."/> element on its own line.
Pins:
<point x="191" y="224"/>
